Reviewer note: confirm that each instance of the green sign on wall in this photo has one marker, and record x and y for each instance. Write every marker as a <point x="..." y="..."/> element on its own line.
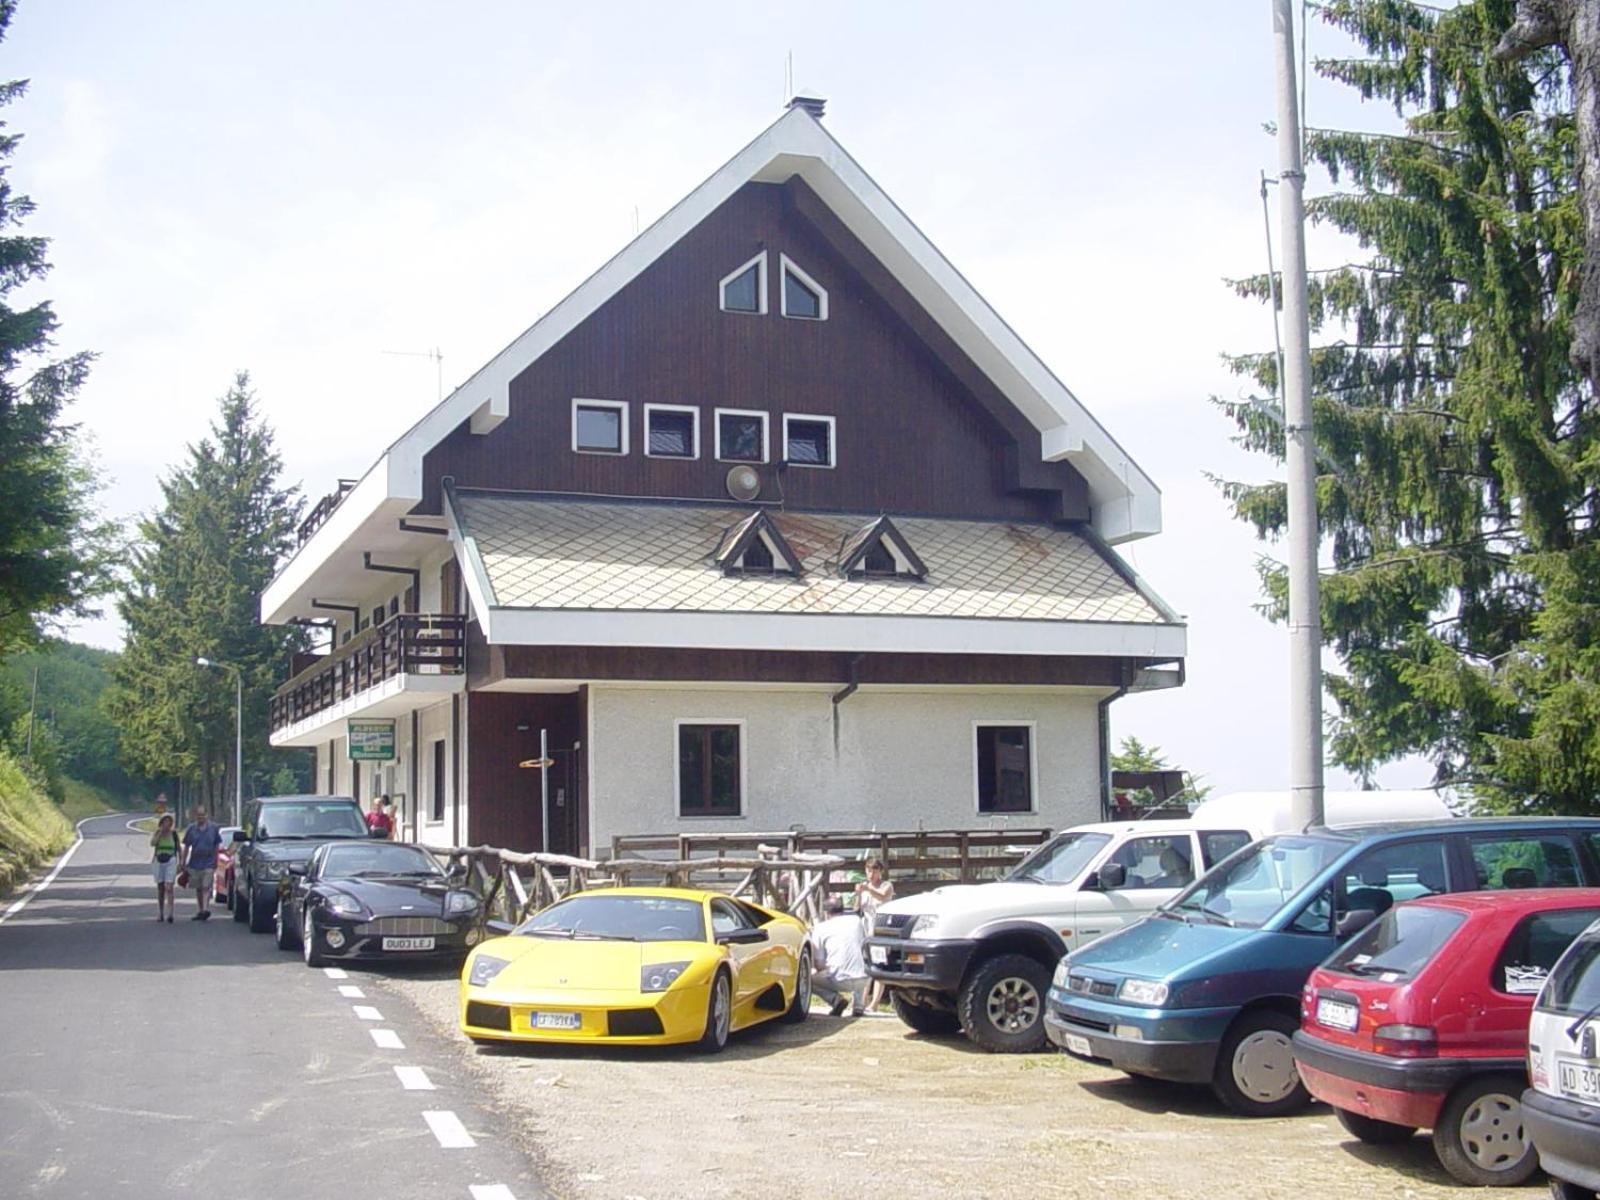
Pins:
<point x="371" y="741"/>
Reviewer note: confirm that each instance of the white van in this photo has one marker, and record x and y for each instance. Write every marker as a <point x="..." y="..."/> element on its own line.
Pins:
<point x="978" y="957"/>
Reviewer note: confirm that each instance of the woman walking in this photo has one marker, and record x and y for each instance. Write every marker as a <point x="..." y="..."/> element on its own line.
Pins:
<point x="164" y="865"/>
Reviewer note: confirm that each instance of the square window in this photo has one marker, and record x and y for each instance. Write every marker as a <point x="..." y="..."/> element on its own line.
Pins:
<point x="741" y="436"/>
<point x="600" y="426"/>
<point x="1005" y="768"/>
<point x="808" y="441"/>
<point x="671" y="431"/>
<point x="710" y="773"/>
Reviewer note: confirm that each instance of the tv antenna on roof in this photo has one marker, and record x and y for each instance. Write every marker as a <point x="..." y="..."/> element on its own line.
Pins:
<point x="438" y="361"/>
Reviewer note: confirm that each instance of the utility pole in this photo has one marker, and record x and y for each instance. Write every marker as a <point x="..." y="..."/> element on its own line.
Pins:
<point x="33" y="704"/>
<point x="1305" y="612"/>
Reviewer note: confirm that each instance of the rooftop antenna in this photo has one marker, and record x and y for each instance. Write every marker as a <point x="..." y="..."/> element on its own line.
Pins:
<point x="788" y="76"/>
<point x="438" y="361"/>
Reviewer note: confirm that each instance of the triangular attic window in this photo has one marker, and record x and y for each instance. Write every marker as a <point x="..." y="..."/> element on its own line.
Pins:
<point x="744" y="289"/>
<point x="879" y="551"/>
<point x="755" y="547"/>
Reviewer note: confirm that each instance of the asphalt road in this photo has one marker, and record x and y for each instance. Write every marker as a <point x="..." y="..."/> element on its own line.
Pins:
<point x="142" y="1059"/>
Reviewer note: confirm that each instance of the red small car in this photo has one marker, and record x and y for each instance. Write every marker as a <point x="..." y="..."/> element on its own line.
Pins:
<point x="1421" y="1022"/>
<point x="222" y="883"/>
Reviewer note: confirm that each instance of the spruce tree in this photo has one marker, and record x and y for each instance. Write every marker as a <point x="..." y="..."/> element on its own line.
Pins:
<point x="1461" y="481"/>
<point x="195" y="582"/>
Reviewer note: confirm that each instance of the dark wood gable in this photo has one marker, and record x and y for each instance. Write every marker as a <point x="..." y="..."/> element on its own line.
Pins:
<point x="917" y="429"/>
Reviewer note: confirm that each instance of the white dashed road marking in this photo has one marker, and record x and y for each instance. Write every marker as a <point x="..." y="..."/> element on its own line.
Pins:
<point x="335" y="973"/>
<point x="414" y="1079"/>
<point x="28" y="893"/>
<point x="351" y="992"/>
<point x="449" y="1130"/>
<point x="490" y="1191"/>
<point x="366" y="1012"/>
<point x="387" y="1039"/>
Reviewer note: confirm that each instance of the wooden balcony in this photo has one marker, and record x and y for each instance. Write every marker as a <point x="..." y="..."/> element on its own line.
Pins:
<point x="424" y="645"/>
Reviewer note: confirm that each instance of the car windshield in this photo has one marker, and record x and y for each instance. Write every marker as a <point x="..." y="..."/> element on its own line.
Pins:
<point x="620" y="918"/>
<point x="1401" y="942"/>
<point x="378" y="858"/>
<point x="311" y="819"/>
<point x="1061" y="860"/>
<point x="1574" y="985"/>
<point x="1250" y="888"/>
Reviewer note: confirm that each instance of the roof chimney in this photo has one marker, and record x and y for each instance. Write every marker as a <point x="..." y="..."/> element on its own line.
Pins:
<point x="812" y="104"/>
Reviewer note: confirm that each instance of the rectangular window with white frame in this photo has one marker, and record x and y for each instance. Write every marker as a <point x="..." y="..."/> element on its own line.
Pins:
<point x="600" y="426"/>
<point x="808" y="440"/>
<point x="741" y="435"/>
<point x="1003" y="766"/>
<point x="708" y="756"/>
<point x="671" y="431"/>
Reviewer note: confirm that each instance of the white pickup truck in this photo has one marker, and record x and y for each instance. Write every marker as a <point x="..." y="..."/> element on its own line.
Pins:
<point x="978" y="957"/>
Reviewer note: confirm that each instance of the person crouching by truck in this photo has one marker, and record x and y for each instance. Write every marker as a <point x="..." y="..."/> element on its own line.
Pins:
<point x="838" y="970"/>
<point x="164" y="865"/>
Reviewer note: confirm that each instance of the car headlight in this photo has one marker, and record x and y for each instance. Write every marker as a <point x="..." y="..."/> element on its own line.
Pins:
<point x="1142" y="991"/>
<point x="272" y="870"/>
<point x="484" y="968"/>
<point x="341" y="902"/>
<point x="1059" y="980"/>
<point x="459" y="904"/>
<point x="658" y="977"/>
<point x="924" y="925"/>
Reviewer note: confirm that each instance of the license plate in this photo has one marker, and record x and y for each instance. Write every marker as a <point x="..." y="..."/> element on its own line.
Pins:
<point x="1336" y="1014"/>
<point x="1579" y="1082"/>
<point x="556" y="1020"/>
<point x="1079" y="1045"/>
<point x="878" y="955"/>
<point x="390" y="943"/>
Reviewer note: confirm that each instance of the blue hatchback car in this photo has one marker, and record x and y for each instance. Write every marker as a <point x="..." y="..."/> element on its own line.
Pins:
<point x="1207" y="989"/>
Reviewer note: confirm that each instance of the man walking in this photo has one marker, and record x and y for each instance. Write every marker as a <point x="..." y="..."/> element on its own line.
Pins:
<point x="200" y="843"/>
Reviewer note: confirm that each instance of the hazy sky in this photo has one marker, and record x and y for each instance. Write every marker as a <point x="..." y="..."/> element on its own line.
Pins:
<point x="295" y="188"/>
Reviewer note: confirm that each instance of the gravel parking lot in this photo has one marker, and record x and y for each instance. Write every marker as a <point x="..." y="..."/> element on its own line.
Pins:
<point x="841" y="1108"/>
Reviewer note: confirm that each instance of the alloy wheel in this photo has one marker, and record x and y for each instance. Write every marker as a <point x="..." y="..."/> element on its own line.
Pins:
<point x="1013" y="1005"/>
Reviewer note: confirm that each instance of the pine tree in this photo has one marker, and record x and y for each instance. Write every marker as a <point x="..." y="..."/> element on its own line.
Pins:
<point x="195" y="580"/>
<point x="53" y="548"/>
<point x="1460" y="445"/>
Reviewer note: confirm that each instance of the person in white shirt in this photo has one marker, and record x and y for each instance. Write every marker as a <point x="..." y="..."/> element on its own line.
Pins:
<point x="838" y="971"/>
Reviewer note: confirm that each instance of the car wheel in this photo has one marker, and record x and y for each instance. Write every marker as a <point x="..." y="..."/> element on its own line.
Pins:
<point x="237" y="902"/>
<point x="262" y="906"/>
<point x="1001" y="1006"/>
<point x="719" y="1015"/>
<point x="800" y="1005"/>
<point x="1255" y="1074"/>
<point x="308" y="941"/>
<point x="287" y="936"/>
<point x="1371" y="1130"/>
<point x="922" y="1018"/>
<point x="1479" y="1136"/>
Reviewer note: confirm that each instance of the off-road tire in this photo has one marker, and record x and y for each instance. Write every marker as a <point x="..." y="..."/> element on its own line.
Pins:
<point x="237" y="902"/>
<point x="1003" y="989"/>
<point x="800" y="1003"/>
<point x="1479" y="1136"/>
<point x="260" y="916"/>
<point x="1257" y="1035"/>
<point x="1373" y="1131"/>
<point x="923" y="1019"/>
<point x="716" y="1035"/>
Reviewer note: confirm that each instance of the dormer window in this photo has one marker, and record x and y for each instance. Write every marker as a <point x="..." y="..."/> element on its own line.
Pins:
<point x="803" y="297"/>
<point x="744" y="289"/>
<point x="756" y="547"/>
<point x="880" y="551"/>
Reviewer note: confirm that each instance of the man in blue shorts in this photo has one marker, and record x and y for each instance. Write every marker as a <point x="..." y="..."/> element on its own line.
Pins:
<point x="200" y="843"/>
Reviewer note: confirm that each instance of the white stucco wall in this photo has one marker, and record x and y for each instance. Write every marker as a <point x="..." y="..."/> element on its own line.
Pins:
<point x="906" y="759"/>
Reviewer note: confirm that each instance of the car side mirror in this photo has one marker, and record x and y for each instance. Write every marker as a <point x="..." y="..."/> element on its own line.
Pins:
<point x="1354" y="921"/>
<point x="743" y="937"/>
<point x="1112" y="876"/>
<point x="297" y="868"/>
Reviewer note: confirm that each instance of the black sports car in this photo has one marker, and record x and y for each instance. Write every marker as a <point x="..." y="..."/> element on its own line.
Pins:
<point x="374" y="900"/>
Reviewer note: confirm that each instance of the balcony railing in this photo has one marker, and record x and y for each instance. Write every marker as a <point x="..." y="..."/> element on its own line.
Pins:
<point x="409" y="643"/>
<point x="322" y="510"/>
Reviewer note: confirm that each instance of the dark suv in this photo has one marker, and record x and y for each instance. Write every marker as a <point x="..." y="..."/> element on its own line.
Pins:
<point x="280" y="831"/>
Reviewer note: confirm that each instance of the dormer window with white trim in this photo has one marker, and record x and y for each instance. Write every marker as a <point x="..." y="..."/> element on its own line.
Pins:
<point x="880" y="551"/>
<point x="600" y="426"/>
<point x="744" y="289"/>
<point x="671" y="431"/>
<point x="808" y="440"/>
<point x="756" y="547"/>
<point x="802" y="296"/>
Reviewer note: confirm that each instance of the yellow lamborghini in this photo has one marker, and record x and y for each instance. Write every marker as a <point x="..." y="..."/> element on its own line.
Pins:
<point x="637" y="966"/>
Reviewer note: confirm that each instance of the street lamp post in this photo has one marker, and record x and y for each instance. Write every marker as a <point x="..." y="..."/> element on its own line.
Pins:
<point x="238" y="733"/>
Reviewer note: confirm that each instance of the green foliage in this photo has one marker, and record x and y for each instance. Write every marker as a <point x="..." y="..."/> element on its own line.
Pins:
<point x="1134" y="755"/>
<point x="195" y="580"/>
<point x="53" y="549"/>
<point x="31" y="828"/>
<point x="73" y="686"/>
<point x="1461" y="450"/>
